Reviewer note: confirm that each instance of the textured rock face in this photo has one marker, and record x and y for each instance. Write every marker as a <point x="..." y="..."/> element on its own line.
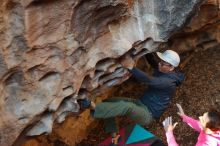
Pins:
<point x="203" y="32"/>
<point x="54" y="52"/>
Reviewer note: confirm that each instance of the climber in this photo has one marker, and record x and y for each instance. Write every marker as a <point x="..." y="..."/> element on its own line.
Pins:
<point x="162" y="85"/>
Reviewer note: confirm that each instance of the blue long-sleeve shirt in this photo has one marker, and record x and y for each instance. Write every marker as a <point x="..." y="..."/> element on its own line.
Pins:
<point x="161" y="88"/>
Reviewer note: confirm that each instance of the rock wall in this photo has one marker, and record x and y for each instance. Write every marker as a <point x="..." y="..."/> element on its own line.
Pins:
<point x="202" y="32"/>
<point x="54" y="52"/>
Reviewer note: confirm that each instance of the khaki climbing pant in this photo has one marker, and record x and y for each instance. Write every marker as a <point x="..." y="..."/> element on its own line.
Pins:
<point x="122" y="106"/>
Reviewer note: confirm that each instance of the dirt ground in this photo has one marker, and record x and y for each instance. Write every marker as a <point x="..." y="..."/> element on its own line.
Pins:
<point x="197" y="94"/>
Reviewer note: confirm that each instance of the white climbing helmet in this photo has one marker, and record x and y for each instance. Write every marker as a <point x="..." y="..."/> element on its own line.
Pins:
<point x="170" y="57"/>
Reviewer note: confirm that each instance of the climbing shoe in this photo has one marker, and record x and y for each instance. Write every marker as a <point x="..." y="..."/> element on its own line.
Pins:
<point x="84" y="103"/>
